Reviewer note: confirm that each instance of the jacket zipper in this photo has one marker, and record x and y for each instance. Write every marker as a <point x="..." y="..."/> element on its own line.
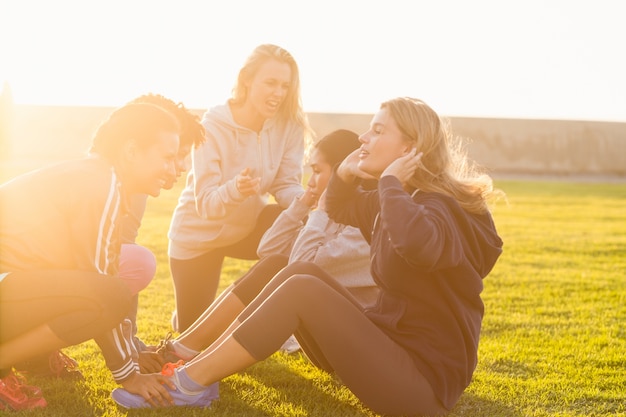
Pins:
<point x="260" y="152"/>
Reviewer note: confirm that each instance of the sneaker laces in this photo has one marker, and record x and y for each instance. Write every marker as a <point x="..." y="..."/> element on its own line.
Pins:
<point x="166" y="350"/>
<point x="165" y="344"/>
<point x="169" y="368"/>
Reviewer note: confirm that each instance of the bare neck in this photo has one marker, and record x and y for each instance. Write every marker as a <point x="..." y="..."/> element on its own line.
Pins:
<point x="246" y="116"/>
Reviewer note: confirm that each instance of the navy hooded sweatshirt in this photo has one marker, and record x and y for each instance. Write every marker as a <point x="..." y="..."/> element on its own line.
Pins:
<point x="429" y="256"/>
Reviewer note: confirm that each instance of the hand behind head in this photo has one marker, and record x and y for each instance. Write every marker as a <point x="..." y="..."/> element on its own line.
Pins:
<point x="404" y="167"/>
<point x="349" y="170"/>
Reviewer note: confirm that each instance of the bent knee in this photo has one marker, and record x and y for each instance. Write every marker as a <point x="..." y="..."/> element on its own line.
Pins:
<point x="304" y="267"/>
<point x="307" y="285"/>
<point x="137" y="267"/>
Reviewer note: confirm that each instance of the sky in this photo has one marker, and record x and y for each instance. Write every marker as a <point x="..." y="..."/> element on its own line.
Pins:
<point x="546" y="59"/>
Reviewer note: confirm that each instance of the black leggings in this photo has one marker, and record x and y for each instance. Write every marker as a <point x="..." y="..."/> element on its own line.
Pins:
<point x="196" y="280"/>
<point x="337" y="336"/>
<point x="76" y="305"/>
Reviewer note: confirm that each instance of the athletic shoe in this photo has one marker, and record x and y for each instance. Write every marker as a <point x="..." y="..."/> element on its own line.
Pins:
<point x="63" y="366"/>
<point x="16" y="395"/>
<point x="291" y="345"/>
<point x="56" y="364"/>
<point x="20" y="380"/>
<point x="140" y="345"/>
<point x="166" y="350"/>
<point x="180" y="396"/>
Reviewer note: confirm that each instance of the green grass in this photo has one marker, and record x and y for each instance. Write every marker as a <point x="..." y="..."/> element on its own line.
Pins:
<point x="553" y="341"/>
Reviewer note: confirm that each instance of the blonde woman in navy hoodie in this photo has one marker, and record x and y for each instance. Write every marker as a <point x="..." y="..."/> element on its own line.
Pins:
<point x="254" y="148"/>
<point x="432" y="240"/>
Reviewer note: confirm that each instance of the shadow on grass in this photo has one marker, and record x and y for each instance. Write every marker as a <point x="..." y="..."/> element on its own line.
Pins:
<point x="330" y="398"/>
<point x="471" y="405"/>
<point x="290" y="390"/>
<point x="68" y="398"/>
<point x="316" y="397"/>
<point x="275" y="387"/>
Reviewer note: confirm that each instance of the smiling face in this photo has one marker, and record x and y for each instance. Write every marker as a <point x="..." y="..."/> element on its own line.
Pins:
<point x="268" y="88"/>
<point x="382" y="144"/>
<point x="181" y="164"/>
<point x="151" y="169"/>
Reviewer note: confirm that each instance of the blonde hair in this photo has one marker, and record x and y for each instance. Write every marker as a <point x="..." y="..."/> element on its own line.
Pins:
<point x="291" y="109"/>
<point x="445" y="167"/>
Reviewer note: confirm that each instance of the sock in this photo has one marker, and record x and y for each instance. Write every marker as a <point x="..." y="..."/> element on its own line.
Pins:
<point x="183" y="351"/>
<point x="187" y="384"/>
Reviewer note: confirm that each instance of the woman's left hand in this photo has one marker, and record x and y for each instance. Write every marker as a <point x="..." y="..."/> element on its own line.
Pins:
<point x="151" y="388"/>
<point x="309" y="198"/>
<point x="404" y="167"/>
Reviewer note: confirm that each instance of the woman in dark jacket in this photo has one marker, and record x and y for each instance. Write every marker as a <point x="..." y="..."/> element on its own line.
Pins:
<point x="432" y="242"/>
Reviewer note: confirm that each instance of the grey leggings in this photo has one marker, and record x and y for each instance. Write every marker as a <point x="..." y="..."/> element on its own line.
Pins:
<point x="337" y="336"/>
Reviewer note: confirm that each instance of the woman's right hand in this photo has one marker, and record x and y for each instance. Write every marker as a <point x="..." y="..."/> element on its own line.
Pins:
<point x="349" y="170"/>
<point x="150" y="362"/>
<point x="246" y="184"/>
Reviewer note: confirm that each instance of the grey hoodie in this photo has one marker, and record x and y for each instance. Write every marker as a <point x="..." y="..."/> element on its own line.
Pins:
<point x="211" y="212"/>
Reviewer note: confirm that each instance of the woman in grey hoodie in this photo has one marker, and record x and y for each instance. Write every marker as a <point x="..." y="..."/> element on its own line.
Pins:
<point x="254" y="148"/>
<point x="304" y="232"/>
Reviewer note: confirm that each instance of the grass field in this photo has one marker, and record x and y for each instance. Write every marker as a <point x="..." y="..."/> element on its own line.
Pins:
<point x="554" y="333"/>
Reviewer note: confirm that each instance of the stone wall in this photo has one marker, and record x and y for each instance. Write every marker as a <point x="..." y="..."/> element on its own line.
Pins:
<point x="553" y="147"/>
<point x="504" y="146"/>
<point x="524" y="146"/>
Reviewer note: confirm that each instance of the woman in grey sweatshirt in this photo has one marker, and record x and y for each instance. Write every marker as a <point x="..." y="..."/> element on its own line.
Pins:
<point x="304" y="232"/>
<point x="254" y="148"/>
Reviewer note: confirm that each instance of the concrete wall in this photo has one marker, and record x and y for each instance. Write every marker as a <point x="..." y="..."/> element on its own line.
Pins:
<point x="504" y="146"/>
<point x="521" y="146"/>
<point x="553" y="147"/>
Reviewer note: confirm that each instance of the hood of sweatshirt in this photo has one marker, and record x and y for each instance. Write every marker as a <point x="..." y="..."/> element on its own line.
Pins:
<point x="484" y="241"/>
<point x="438" y="233"/>
<point x="219" y="122"/>
<point x="474" y="236"/>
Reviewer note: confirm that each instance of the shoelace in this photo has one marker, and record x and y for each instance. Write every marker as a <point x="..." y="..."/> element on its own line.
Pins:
<point x="163" y="344"/>
<point x="169" y="368"/>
